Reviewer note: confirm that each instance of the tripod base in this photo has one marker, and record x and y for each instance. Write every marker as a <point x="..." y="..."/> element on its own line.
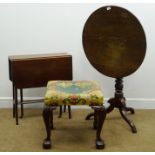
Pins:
<point x="123" y="109"/>
<point x="119" y="102"/>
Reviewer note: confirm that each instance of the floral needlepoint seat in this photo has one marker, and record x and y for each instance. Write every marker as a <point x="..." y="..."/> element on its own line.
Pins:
<point x="69" y="93"/>
<point x="73" y="93"/>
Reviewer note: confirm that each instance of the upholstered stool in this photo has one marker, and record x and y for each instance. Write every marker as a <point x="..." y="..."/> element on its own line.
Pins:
<point x="73" y="93"/>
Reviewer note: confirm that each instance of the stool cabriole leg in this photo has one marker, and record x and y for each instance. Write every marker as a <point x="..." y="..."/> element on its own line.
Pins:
<point x="95" y="120"/>
<point x="64" y="108"/>
<point x="100" y="113"/>
<point x="60" y="112"/>
<point x="48" y="121"/>
<point x="51" y="119"/>
<point x="46" y="118"/>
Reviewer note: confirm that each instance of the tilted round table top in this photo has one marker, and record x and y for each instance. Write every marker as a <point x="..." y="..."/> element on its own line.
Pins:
<point x="114" y="41"/>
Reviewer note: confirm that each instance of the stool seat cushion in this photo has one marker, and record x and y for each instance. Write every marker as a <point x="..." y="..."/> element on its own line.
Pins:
<point x="73" y="93"/>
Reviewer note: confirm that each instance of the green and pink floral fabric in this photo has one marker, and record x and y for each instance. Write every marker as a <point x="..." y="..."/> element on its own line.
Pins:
<point x="73" y="93"/>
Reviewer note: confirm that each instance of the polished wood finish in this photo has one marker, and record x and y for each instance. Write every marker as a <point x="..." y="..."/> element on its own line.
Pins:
<point x="69" y="111"/>
<point x="114" y="41"/>
<point x="30" y="71"/>
<point x="48" y="121"/>
<point x="115" y="44"/>
<point x="119" y="101"/>
<point x="35" y="71"/>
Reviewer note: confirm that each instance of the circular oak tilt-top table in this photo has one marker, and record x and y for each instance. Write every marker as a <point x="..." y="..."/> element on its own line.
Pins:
<point x="115" y="44"/>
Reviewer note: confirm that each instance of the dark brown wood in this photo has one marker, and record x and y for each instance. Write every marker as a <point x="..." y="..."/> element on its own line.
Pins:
<point x="60" y="112"/>
<point x="21" y="101"/>
<point x="48" y="121"/>
<point x="88" y="117"/>
<point x="114" y="41"/>
<point x="119" y="102"/>
<point x="115" y="44"/>
<point x="13" y="94"/>
<point x="100" y="115"/>
<point x="32" y="101"/>
<point x="30" y="71"/>
<point x="64" y="108"/>
<point x="69" y="111"/>
<point x="95" y="120"/>
<point x="16" y="104"/>
<point x="100" y="112"/>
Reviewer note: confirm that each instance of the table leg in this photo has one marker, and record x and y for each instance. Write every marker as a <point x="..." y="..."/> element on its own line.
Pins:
<point x="21" y="101"/>
<point x="13" y="94"/>
<point x="69" y="111"/>
<point x="64" y="108"/>
<point x="60" y="112"/>
<point x="16" y="104"/>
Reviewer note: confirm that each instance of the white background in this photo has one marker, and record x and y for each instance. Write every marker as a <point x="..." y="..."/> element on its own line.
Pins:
<point x="53" y="28"/>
